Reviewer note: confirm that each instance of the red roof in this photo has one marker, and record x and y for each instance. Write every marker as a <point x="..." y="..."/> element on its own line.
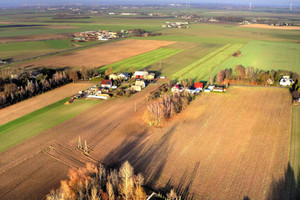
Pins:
<point x="105" y="82"/>
<point x="198" y="85"/>
<point x="177" y="86"/>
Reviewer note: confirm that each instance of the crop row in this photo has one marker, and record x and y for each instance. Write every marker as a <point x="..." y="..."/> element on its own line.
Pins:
<point x="143" y="60"/>
<point x="204" y="67"/>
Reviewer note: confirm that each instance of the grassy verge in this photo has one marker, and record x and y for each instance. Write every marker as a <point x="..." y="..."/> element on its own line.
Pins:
<point x="40" y="120"/>
<point x="295" y="148"/>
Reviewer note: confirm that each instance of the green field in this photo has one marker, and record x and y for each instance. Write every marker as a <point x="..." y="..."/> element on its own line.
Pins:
<point x="40" y="120"/>
<point x="295" y="148"/>
<point x="22" y="50"/>
<point x="207" y="65"/>
<point x="268" y="56"/>
<point x="143" y="60"/>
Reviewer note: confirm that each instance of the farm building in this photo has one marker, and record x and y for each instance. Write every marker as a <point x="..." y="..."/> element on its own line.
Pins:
<point x="140" y="74"/>
<point x="140" y="83"/>
<point x="219" y="89"/>
<point x="106" y="83"/>
<point x="286" y="81"/>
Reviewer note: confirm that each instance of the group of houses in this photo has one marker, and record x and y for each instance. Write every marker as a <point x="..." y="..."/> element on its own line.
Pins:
<point x="6" y="61"/>
<point x="94" y="35"/>
<point x="176" y="25"/>
<point x="106" y="87"/>
<point x="197" y="88"/>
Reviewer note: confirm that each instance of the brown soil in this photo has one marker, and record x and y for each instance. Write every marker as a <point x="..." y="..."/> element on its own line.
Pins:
<point x="102" y="55"/>
<point x="27" y="38"/>
<point x="266" y="26"/>
<point x="24" y="107"/>
<point x="6" y="22"/>
<point x="223" y="146"/>
<point x="61" y="27"/>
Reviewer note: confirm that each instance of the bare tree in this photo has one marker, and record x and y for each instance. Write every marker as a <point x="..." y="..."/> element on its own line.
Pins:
<point x="110" y="191"/>
<point x="220" y="77"/>
<point x="126" y="175"/>
<point x="211" y="80"/>
<point x="73" y="75"/>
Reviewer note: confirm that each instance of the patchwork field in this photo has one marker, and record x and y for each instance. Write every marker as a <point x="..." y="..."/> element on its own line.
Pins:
<point x="223" y="146"/>
<point x="268" y="56"/>
<point x="143" y="60"/>
<point x="101" y="55"/>
<point x="25" y="107"/>
<point x="205" y="66"/>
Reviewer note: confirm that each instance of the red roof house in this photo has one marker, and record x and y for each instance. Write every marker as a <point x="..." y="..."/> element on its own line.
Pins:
<point x="198" y="85"/>
<point x="106" y="83"/>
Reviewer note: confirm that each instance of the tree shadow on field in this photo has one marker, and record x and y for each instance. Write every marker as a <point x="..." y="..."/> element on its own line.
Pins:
<point x="186" y="181"/>
<point x="286" y="187"/>
<point x="146" y="157"/>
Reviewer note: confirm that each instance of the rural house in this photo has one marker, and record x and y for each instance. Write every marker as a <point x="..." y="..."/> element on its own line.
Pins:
<point x="150" y="77"/>
<point x="140" y="74"/>
<point x="136" y="88"/>
<point x="286" y="81"/>
<point x="123" y="76"/>
<point x="106" y="83"/>
<point x="198" y="85"/>
<point x="176" y="88"/>
<point x="140" y="83"/>
<point x="113" y="76"/>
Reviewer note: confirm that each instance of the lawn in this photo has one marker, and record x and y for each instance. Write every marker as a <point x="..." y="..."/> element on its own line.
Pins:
<point x="143" y="60"/>
<point x="268" y="56"/>
<point x="40" y="120"/>
<point x="207" y="65"/>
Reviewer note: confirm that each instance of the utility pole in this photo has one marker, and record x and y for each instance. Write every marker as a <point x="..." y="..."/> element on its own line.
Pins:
<point x="291" y="7"/>
<point x="79" y="143"/>
<point x="86" y="151"/>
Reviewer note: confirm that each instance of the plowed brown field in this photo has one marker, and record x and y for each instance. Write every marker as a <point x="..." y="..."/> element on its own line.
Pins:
<point x="266" y="26"/>
<point x="102" y="55"/>
<point x="24" y="107"/>
<point x="223" y="146"/>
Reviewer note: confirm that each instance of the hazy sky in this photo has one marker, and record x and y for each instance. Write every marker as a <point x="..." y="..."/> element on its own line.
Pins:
<point x="254" y="2"/>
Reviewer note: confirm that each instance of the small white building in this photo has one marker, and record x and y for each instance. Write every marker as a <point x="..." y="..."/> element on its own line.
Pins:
<point x="286" y="81"/>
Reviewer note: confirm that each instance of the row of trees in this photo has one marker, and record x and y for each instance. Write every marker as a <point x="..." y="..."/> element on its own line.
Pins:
<point x="21" y="84"/>
<point x="166" y="107"/>
<point x="254" y="75"/>
<point x="95" y="183"/>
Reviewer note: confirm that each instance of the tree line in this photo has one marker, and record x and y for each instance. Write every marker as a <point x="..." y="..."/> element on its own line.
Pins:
<point x="95" y="183"/>
<point x="19" y="84"/>
<point x="253" y="75"/>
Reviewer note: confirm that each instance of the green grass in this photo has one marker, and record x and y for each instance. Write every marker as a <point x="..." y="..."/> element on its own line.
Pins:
<point x="295" y="147"/>
<point x="143" y="60"/>
<point x="267" y="56"/>
<point x="207" y="65"/>
<point x="40" y="120"/>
